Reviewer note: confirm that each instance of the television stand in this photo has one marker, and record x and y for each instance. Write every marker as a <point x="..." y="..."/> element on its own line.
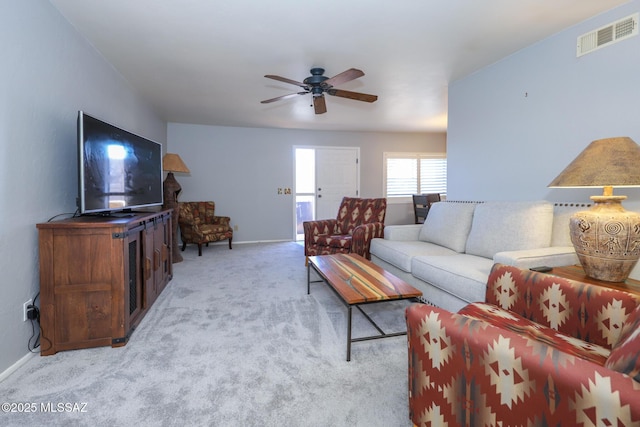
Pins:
<point x="99" y="276"/>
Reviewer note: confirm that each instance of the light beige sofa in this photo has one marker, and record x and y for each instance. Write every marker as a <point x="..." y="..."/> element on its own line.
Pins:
<point x="449" y="257"/>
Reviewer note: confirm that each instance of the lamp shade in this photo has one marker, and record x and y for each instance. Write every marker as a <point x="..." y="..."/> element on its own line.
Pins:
<point x="173" y="163"/>
<point x="610" y="162"/>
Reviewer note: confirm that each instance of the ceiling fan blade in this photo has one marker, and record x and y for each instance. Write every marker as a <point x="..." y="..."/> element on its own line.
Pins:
<point x="278" y="98"/>
<point x="286" y="80"/>
<point x="352" y="95"/>
<point x="343" y="77"/>
<point x="319" y="105"/>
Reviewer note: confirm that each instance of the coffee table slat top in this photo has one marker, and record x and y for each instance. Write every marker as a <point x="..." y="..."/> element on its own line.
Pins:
<point x="358" y="280"/>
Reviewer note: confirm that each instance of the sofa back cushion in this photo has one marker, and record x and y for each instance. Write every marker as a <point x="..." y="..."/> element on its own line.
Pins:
<point x="562" y="213"/>
<point x="625" y="355"/>
<point x="448" y="224"/>
<point x="509" y="226"/>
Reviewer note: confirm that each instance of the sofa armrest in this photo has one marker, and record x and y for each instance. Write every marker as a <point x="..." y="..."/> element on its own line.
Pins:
<point x="402" y="232"/>
<point x="588" y="312"/>
<point x="464" y="371"/>
<point x="362" y="235"/>
<point x="554" y="256"/>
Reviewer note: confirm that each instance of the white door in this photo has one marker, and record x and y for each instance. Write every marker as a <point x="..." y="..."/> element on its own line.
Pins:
<point x="337" y="173"/>
<point x="323" y="177"/>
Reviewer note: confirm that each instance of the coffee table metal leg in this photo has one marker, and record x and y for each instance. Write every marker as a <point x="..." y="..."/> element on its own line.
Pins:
<point x="309" y="281"/>
<point x="349" y="336"/>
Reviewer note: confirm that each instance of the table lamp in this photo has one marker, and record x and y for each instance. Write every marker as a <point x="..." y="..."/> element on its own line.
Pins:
<point x="173" y="163"/>
<point x="606" y="237"/>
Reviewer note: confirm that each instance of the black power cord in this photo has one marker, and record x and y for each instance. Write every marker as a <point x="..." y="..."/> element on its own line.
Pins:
<point x="33" y="314"/>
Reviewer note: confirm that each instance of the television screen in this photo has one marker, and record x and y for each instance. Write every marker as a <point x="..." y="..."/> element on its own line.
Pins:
<point x="117" y="169"/>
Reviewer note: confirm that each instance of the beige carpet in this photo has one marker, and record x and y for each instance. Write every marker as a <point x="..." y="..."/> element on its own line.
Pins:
<point x="234" y="340"/>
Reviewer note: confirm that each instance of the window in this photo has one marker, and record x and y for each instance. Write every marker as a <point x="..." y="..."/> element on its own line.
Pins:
<point x="414" y="173"/>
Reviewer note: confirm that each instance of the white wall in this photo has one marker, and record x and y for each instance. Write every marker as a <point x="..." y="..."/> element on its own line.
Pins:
<point x="48" y="73"/>
<point x="242" y="168"/>
<point x="515" y="125"/>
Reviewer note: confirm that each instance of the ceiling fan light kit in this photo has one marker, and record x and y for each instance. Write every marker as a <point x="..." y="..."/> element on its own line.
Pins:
<point x="317" y="84"/>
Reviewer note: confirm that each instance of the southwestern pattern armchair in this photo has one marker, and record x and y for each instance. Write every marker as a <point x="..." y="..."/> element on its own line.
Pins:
<point x="358" y="221"/>
<point x="199" y="225"/>
<point x="541" y="351"/>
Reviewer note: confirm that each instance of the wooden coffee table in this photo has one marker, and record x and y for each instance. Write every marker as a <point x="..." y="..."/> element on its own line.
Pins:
<point x="358" y="281"/>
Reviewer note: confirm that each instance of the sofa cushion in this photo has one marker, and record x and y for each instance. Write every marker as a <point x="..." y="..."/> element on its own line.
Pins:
<point x="448" y="224"/>
<point x="552" y="256"/>
<point x="400" y="253"/>
<point x="625" y="355"/>
<point x="509" y="226"/>
<point x="462" y="275"/>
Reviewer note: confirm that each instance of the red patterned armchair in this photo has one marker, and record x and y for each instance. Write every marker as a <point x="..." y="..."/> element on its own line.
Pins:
<point x="199" y="225"/>
<point x="358" y="221"/>
<point x="541" y="351"/>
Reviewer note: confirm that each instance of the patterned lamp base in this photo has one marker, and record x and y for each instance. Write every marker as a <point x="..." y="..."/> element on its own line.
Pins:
<point x="606" y="239"/>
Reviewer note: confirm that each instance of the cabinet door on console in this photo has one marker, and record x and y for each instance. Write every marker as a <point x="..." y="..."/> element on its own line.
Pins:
<point x="80" y="305"/>
<point x="133" y="297"/>
<point x="157" y="263"/>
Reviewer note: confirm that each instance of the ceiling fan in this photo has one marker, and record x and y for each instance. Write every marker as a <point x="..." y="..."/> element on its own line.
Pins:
<point x="317" y="85"/>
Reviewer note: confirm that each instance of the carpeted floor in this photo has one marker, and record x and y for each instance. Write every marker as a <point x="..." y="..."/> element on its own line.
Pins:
<point x="234" y="340"/>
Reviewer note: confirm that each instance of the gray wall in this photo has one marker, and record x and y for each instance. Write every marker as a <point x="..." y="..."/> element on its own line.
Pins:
<point x="241" y="168"/>
<point x="515" y="125"/>
<point x="48" y="73"/>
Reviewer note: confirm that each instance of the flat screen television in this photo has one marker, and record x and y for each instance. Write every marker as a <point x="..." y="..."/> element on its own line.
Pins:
<point x="117" y="170"/>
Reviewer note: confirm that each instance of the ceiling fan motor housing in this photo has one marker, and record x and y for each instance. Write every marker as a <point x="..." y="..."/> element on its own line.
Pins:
<point x="315" y="80"/>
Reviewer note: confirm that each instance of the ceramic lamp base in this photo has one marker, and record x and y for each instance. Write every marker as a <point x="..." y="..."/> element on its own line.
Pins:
<point x="606" y="239"/>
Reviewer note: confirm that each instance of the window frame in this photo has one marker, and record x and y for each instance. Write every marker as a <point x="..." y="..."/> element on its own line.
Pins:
<point x="417" y="156"/>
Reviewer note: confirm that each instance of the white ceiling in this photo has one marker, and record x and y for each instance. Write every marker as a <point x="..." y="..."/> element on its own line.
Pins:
<point x="204" y="61"/>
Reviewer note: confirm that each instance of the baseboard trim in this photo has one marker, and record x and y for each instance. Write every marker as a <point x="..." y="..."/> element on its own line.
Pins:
<point x="262" y="241"/>
<point x="11" y="369"/>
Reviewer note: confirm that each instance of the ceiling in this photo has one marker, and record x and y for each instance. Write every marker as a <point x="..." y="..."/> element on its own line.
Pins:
<point x="204" y="61"/>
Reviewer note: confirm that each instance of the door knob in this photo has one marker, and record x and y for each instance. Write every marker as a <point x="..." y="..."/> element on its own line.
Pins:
<point x="319" y="196"/>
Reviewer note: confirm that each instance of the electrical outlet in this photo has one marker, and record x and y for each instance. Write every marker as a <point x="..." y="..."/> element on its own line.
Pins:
<point x="25" y="309"/>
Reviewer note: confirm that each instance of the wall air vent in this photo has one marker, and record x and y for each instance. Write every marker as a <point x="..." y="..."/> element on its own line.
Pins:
<point x="608" y="35"/>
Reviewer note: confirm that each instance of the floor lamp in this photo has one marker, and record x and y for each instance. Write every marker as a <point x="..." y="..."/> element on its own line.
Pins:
<point x="173" y="163"/>
<point x="606" y="237"/>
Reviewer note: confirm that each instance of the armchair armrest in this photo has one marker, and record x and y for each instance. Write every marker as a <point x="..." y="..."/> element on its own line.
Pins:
<point x="314" y="228"/>
<point x="321" y="226"/>
<point x="402" y="232"/>
<point x="190" y="231"/>
<point x="589" y="312"/>
<point x="464" y="371"/>
<point x="221" y="220"/>
<point x="362" y="235"/>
